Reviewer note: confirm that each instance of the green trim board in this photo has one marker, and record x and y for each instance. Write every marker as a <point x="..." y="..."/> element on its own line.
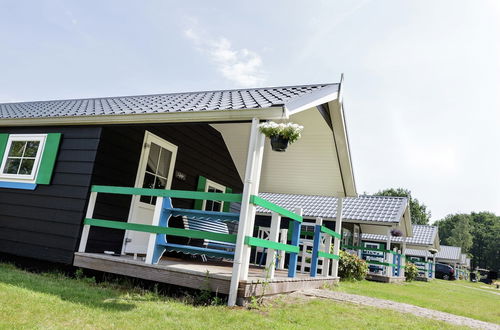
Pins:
<point x="227" y="205"/>
<point x="48" y="160"/>
<point x="351" y="247"/>
<point x="202" y="181"/>
<point x="322" y="254"/>
<point x="228" y="238"/>
<point x="167" y="193"/>
<point x="254" y="241"/>
<point x="330" y="232"/>
<point x="256" y="200"/>
<point x="4" y="138"/>
<point x="373" y="262"/>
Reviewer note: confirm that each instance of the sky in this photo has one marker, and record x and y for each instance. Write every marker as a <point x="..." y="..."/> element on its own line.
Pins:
<point x="422" y="78"/>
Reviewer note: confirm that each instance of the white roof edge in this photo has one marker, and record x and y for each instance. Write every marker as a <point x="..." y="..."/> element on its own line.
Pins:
<point x="166" y="117"/>
<point x="313" y="99"/>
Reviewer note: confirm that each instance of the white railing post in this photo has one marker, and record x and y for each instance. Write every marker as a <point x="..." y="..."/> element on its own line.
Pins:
<point x="152" y="236"/>
<point x="273" y="237"/>
<point x="336" y="241"/>
<point x="242" y="251"/>
<point x="86" y="228"/>
<point x="387" y="255"/>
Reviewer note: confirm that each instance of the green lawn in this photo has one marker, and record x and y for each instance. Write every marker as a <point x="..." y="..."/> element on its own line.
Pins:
<point x="53" y="301"/>
<point x="456" y="297"/>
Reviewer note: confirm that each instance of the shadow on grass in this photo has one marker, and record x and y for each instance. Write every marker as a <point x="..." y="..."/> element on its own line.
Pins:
<point x="78" y="291"/>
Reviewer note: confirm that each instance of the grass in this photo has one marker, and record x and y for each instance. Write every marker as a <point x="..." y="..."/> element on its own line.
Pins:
<point x="456" y="297"/>
<point x="29" y="300"/>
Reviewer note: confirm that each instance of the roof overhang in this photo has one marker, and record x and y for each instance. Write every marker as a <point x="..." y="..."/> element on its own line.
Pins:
<point x="152" y="118"/>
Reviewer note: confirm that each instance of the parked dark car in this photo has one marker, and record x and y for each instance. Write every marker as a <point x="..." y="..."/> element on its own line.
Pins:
<point x="445" y="272"/>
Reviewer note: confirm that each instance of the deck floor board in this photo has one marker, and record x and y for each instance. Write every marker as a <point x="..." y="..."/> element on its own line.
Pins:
<point x="197" y="274"/>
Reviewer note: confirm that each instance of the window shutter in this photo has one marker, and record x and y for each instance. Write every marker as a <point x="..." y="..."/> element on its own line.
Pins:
<point x="3" y="144"/>
<point x="48" y="160"/>
<point x="202" y="182"/>
<point x="227" y="205"/>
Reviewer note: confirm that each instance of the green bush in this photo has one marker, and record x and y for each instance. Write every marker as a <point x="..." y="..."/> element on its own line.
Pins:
<point x="411" y="271"/>
<point x="351" y="267"/>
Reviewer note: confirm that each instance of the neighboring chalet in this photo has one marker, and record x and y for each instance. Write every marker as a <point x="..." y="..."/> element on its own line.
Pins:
<point x="425" y="242"/>
<point x="147" y="186"/>
<point x="449" y="255"/>
<point x="363" y="215"/>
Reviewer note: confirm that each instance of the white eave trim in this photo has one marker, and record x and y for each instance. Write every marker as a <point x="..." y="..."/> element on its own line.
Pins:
<point x="167" y="117"/>
<point x="313" y="99"/>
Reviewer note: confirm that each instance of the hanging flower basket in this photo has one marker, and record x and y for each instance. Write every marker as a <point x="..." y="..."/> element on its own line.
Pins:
<point x="281" y="134"/>
<point x="396" y="233"/>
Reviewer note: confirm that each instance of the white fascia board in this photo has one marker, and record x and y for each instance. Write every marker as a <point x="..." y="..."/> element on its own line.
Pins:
<point x="167" y="117"/>
<point x="313" y="99"/>
<point x="374" y="223"/>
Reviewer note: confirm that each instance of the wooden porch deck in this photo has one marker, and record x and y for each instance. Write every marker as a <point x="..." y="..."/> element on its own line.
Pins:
<point x="197" y="275"/>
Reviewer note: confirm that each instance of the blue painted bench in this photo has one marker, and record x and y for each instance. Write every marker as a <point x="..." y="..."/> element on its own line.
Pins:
<point x="209" y="221"/>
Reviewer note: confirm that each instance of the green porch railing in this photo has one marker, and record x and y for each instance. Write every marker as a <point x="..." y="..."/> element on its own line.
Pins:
<point x="185" y="194"/>
<point x="397" y="258"/>
<point x="196" y="195"/>
<point x="316" y="253"/>
<point x="228" y="238"/>
<point x="352" y="247"/>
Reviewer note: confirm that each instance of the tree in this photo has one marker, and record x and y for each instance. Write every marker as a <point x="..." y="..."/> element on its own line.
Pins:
<point x="419" y="213"/>
<point x="484" y="234"/>
<point x="461" y="235"/>
<point x="486" y="240"/>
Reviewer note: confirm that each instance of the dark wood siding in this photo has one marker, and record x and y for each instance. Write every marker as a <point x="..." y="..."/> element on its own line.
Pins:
<point x="46" y="223"/>
<point x="201" y="151"/>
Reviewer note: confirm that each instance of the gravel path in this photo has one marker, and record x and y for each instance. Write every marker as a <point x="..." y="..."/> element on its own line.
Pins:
<point x="401" y="307"/>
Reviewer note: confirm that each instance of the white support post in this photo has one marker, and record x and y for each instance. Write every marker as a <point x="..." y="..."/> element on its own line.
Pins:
<point x="434" y="265"/>
<point x="388" y="269"/>
<point x="254" y="190"/>
<point x="273" y="237"/>
<point x="336" y="241"/>
<point x="86" y="228"/>
<point x="282" y="254"/>
<point x="403" y="257"/>
<point x="426" y="268"/>
<point x="252" y="178"/>
<point x="152" y="236"/>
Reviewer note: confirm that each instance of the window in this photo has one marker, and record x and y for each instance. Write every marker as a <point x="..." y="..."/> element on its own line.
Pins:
<point x="214" y="187"/>
<point x="22" y="157"/>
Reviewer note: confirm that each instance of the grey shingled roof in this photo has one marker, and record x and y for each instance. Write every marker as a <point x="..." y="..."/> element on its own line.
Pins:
<point x="363" y="208"/>
<point x="422" y="235"/>
<point x="449" y="253"/>
<point x="256" y="98"/>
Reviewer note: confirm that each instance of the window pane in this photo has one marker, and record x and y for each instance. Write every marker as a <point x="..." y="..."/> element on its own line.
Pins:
<point x="217" y="206"/>
<point x="31" y="148"/>
<point x="26" y="166"/>
<point x="164" y="164"/>
<point x="149" y="182"/>
<point x="160" y="183"/>
<point x="209" y="206"/>
<point x="154" y="153"/>
<point x="11" y="166"/>
<point x="17" y="148"/>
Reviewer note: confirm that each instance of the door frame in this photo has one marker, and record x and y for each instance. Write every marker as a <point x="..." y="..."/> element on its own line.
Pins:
<point x="141" y="168"/>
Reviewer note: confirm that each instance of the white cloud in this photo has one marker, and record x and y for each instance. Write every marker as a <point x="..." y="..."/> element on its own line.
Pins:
<point x="241" y="66"/>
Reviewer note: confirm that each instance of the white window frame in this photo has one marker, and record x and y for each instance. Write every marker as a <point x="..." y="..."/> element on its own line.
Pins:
<point x="28" y="178"/>
<point x="218" y="186"/>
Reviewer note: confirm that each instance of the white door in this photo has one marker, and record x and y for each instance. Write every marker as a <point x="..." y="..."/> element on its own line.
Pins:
<point x="155" y="171"/>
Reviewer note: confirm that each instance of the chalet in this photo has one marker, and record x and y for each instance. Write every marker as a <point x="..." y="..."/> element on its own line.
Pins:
<point x="420" y="249"/>
<point x="362" y="215"/>
<point x="166" y="187"/>
<point x="449" y="255"/>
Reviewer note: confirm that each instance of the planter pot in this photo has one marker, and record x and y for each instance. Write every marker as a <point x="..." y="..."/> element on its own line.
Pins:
<point x="279" y="143"/>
